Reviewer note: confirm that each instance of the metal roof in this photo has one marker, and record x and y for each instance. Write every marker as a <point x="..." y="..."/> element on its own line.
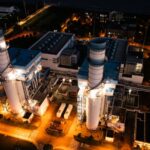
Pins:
<point x="52" y="42"/>
<point x="21" y="57"/>
<point x="111" y="70"/>
<point x="69" y="51"/>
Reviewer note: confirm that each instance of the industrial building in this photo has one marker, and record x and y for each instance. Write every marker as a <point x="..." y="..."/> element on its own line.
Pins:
<point x="58" y="52"/>
<point x="21" y="78"/>
<point x="69" y="57"/>
<point x="109" y="64"/>
<point x="131" y="69"/>
<point x="97" y="79"/>
<point x="24" y="72"/>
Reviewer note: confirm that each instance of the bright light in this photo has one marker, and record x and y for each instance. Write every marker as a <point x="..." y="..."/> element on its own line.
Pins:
<point x="3" y="45"/>
<point x="70" y="80"/>
<point x="11" y="76"/>
<point x="39" y="67"/>
<point x="63" y="79"/>
<point x="130" y="90"/>
<point x="30" y="76"/>
<point x="93" y="93"/>
<point x="81" y="91"/>
<point x="32" y="102"/>
<point x="18" y="72"/>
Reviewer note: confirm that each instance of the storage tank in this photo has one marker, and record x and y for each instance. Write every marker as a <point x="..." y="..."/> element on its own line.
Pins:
<point x="13" y="99"/>
<point x="92" y="112"/>
<point x="12" y="92"/>
<point x="4" y="57"/>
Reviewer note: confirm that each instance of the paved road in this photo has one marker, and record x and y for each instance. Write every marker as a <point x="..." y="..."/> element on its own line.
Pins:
<point x="28" y="18"/>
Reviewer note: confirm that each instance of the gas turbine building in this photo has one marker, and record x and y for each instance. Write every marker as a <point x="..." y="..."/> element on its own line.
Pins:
<point x="20" y="71"/>
<point x="97" y="79"/>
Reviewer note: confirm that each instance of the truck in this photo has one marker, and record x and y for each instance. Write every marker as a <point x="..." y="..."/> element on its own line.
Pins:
<point x="68" y="111"/>
<point x="60" y="110"/>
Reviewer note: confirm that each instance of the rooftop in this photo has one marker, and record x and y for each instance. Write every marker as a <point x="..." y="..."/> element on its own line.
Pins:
<point x="51" y="42"/>
<point x="69" y="51"/>
<point x="111" y="70"/>
<point x="21" y="57"/>
<point x="116" y="50"/>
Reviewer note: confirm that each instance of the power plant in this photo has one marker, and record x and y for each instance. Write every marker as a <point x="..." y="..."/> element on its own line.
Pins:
<point x="96" y="85"/>
<point x="20" y="76"/>
<point x="95" y="101"/>
<point x="27" y="85"/>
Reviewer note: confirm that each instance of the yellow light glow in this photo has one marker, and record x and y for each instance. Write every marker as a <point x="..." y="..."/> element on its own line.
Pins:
<point x="3" y="45"/>
<point x="18" y="72"/>
<point x="39" y="67"/>
<point x="11" y="76"/>
<point x="93" y="93"/>
<point x="64" y="79"/>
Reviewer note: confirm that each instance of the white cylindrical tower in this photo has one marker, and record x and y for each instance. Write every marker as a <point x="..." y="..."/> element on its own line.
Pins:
<point x="96" y="67"/>
<point x="13" y="99"/>
<point x="4" y="57"/>
<point x="92" y="112"/>
<point x="11" y="92"/>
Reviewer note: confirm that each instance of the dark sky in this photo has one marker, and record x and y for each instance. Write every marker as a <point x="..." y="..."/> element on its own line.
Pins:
<point x="136" y="6"/>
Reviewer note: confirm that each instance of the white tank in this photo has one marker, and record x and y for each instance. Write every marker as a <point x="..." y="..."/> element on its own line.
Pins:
<point x="92" y="113"/>
<point x="13" y="99"/>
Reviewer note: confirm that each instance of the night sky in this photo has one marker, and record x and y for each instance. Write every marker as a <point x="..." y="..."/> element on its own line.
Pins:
<point x="136" y="6"/>
<point x="133" y="6"/>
